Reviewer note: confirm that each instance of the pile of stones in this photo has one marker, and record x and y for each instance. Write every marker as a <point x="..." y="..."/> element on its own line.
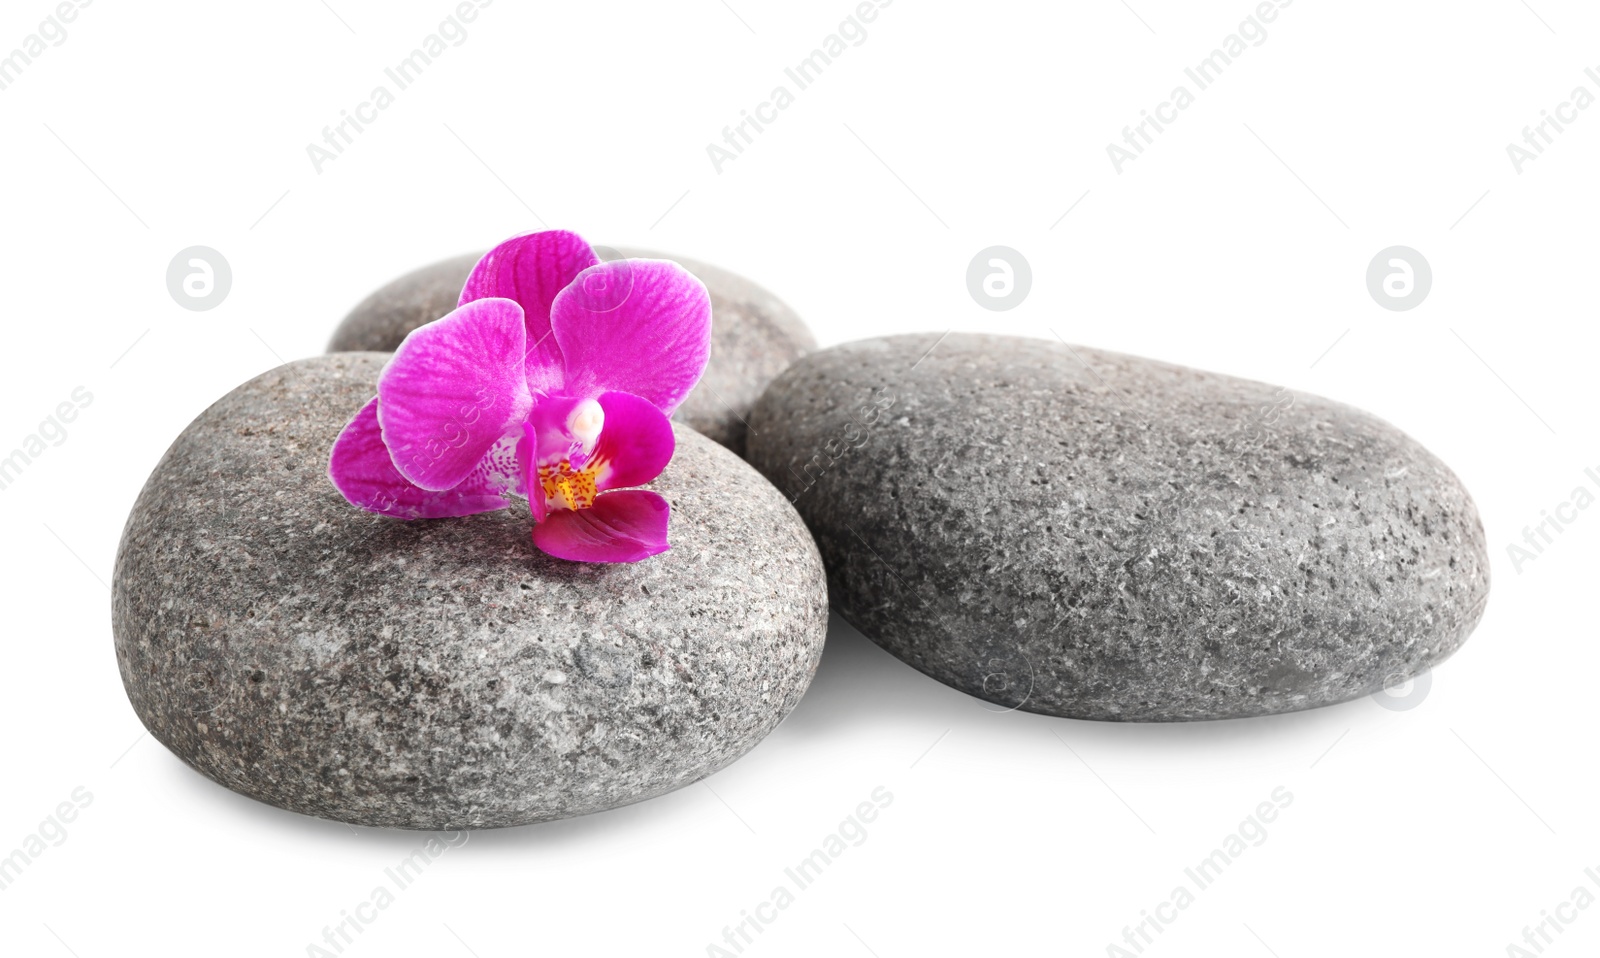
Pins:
<point x="1050" y="528"/>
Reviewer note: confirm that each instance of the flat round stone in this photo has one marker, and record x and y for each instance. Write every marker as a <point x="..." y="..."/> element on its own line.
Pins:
<point x="754" y="336"/>
<point x="445" y="674"/>
<point x="1093" y="535"/>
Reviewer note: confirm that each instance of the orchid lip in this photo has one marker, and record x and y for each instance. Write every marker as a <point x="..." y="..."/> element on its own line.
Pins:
<point x="566" y="487"/>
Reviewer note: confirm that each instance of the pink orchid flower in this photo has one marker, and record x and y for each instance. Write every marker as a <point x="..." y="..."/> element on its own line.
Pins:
<point x="553" y="379"/>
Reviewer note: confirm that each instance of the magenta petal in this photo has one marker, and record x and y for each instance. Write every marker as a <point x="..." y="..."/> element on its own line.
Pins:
<point x="532" y="269"/>
<point x="642" y="326"/>
<point x="453" y="390"/>
<point x="361" y="469"/>
<point x="621" y="526"/>
<point x="527" y="459"/>
<point x="635" y="444"/>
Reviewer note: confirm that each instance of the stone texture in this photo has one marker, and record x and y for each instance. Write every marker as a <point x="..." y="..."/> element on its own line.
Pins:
<point x="446" y="674"/>
<point x="1093" y="535"/>
<point x="754" y="336"/>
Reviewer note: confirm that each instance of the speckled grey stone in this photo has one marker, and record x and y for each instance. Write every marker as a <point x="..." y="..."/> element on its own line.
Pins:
<point x="445" y="674"/>
<point x="1093" y="535"/>
<point x="754" y="336"/>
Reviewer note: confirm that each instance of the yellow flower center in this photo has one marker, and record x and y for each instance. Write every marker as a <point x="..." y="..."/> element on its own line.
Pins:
<point x="568" y="487"/>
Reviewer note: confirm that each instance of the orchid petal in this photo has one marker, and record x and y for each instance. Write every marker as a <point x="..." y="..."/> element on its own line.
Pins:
<point x="621" y="526"/>
<point x="361" y="469"/>
<point x="453" y="390"/>
<point x="635" y="444"/>
<point x="527" y="458"/>
<point x="641" y="326"/>
<point x="532" y="269"/>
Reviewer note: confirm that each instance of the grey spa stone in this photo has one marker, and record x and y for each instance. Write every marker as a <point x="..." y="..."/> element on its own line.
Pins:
<point x="754" y="336"/>
<point x="445" y="674"/>
<point x="1093" y="535"/>
<point x="381" y="321"/>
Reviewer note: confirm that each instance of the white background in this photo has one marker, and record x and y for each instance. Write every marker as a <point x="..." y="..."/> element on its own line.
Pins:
<point x="1442" y="829"/>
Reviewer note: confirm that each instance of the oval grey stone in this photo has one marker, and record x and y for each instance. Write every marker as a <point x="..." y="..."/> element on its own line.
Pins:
<point x="1087" y="534"/>
<point x="754" y="335"/>
<point x="445" y="674"/>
